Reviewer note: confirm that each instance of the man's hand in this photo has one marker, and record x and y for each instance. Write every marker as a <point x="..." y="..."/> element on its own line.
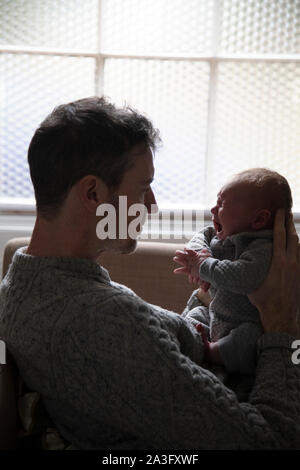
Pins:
<point x="278" y="297"/>
<point x="191" y="261"/>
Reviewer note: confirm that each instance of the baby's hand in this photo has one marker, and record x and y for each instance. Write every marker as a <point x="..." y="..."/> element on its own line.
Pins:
<point x="191" y="261"/>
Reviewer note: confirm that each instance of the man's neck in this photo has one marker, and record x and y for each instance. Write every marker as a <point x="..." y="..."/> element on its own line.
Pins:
<point x="59" y="238"/>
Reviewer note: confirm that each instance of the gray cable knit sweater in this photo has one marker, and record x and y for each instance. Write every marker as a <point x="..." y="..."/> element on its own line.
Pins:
<point x="117" y="373"/>
<point x="237" y="267"/>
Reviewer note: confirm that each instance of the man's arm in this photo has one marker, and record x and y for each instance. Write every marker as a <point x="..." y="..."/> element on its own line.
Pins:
<point x="159" y="395"/>
<point x="278" y="297"/>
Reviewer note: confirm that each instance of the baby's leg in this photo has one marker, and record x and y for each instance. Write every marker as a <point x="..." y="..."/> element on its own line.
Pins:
<point x="199" y="315"/>
<point x="196" y="300"/>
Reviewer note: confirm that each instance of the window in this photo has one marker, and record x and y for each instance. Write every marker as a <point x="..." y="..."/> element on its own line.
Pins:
<point x="219" y="78"/>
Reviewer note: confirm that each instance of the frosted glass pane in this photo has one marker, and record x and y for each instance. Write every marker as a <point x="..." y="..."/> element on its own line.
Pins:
<point x="174" y="95"/>
<point x="260" y="26"/>
<point x="49" y="23"/>
<point x="30" y="87"/>
<point x="162" y="26"/>
<point x="257" y="122"/>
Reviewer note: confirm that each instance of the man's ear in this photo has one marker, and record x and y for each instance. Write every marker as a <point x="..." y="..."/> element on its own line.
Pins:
<point x="262" y="219"/>
<point x="92" y="191"/>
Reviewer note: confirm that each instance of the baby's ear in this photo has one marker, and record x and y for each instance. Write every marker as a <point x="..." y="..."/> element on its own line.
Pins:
<point x="262" y="219"/>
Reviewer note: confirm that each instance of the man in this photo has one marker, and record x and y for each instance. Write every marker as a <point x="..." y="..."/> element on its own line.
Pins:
<point x="115" y="372"/>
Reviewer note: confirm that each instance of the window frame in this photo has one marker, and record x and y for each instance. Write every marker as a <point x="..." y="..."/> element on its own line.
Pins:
<point x="27" y="206"/>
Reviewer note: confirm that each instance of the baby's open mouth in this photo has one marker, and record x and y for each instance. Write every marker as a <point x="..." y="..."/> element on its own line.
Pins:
<point x="218" y="226"/>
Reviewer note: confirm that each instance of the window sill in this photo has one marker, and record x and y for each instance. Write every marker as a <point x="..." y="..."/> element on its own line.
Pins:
<point x="13" y="206"/>
<point x="170" y="224"/>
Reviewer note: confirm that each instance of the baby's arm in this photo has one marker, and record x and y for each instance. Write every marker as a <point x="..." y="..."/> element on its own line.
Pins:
<point x="202" y="239"/>
<point x="243" y="275"/>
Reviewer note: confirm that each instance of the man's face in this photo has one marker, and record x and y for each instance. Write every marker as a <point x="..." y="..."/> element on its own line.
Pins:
<point x="136" y="186"/>
<point x="233" y="212"/>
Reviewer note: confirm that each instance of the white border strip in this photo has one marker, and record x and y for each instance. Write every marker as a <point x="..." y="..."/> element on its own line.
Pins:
<point x="152" y="55"/>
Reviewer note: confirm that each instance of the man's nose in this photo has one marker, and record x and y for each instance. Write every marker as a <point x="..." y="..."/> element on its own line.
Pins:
<point x="150" y="202"/>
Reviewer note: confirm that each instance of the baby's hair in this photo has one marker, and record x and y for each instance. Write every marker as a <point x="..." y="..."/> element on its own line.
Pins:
<point x="272" y="187"/>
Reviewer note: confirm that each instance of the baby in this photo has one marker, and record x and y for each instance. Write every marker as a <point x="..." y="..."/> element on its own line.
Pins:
<point x="231" y="259"/>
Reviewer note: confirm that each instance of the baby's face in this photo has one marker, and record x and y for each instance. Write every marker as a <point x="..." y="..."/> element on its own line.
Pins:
<point x="233" y="212"/>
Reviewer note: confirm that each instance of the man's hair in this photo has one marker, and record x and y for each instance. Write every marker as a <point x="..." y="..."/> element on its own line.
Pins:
<point x="88" y="136"/>
<point x="271" y="187"/>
